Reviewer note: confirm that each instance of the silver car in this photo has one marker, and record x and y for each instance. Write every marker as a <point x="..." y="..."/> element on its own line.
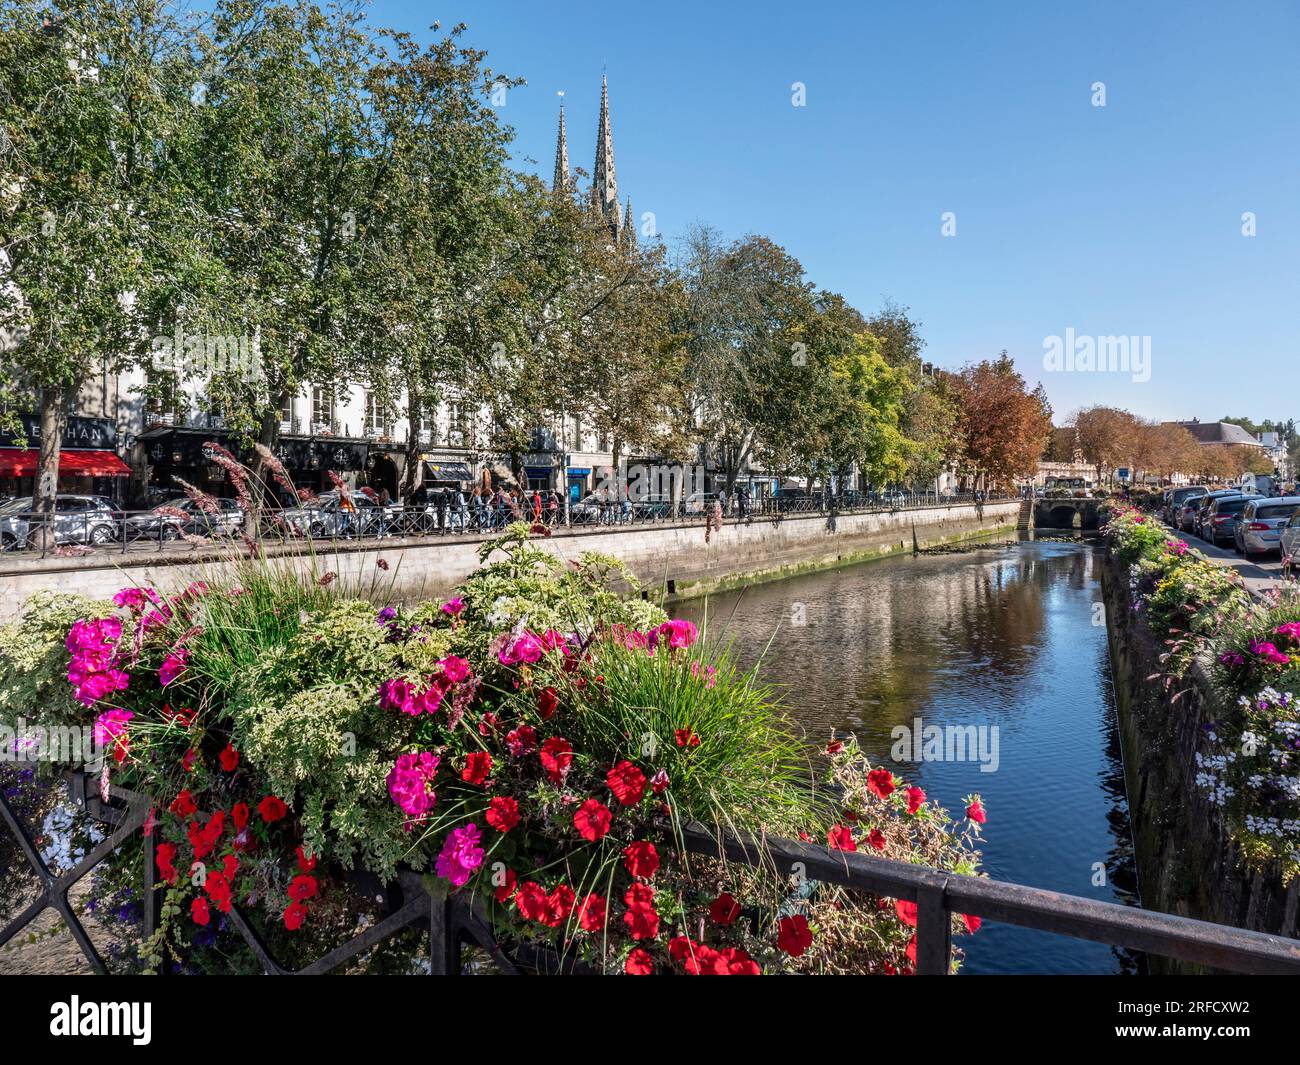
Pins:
<point x="327" y="518"/>
<point x="184" y="516"/>
<point x="77" y="520"/>
<point x="1259" y="528"/>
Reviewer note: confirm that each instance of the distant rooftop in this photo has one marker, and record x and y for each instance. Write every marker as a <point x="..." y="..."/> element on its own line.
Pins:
<point x="1219" y="433"/>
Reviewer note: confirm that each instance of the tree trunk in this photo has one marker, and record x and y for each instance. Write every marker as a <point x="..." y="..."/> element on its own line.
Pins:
<point x="53" y="420"/>
<point x="414" y="412"/>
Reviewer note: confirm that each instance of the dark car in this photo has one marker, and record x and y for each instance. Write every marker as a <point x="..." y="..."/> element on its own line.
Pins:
<point x="1220" y="518"/>
<point x="1201" y="505"/>
<point x="184" y="516"/>
<point x="77" y="520"/>
<point x="1176" y="498"/>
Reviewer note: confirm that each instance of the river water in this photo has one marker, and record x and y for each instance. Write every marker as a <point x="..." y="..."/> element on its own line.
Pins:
<point x="1010" y="639"/>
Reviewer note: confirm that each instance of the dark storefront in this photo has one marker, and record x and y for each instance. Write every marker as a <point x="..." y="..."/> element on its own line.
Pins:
<point x="177" y="452"/>
<point x="88" y="459"/>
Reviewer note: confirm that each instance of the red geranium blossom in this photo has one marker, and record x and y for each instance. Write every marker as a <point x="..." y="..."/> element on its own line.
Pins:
<point x="302" y="887"/>
<point x="686" y="738"/>
<point x="724" y="909"/>
<point x="906" y="911"/>
<point x="478" y="764"/>
<point x="199" y="910"/>
<point x="840" y="838"/>
<point x="627" y="783"/>
<point x="218" y="889"/>
<point x="502" y="813"/>
<point x="507" y="887"/>
<point x="975" y="811"/>
<point x="556" y="756"/>
<point x="834" y="747"/>
<point x="239" y="814"/>
<point x="639" y="963"/>
<point x="547" y="703"/>
<point x="591" y="913"/>
<point x="272" y="809"/>
<point x="306" y="862"/>
<point x="184" y="804"/>
<point x="971" y="922"/>
<point x="880" y="782"/>
<point x="641" y="918"/>
<point x="229" y="758"/>
<point x="592" y="820"/>
<point x="641" y="859"/>
<point x="188" y="760"/>
<point x="877" y="839"/>
<point x="915" y="799"/>
<point x="294" y="915"/>
<point x="793" y="935"/>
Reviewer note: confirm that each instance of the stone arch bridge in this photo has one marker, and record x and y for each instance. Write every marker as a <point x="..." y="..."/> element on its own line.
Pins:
<point x="1066" y="513"/>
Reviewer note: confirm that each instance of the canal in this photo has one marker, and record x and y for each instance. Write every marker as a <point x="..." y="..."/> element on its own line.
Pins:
<point x="1010" y="639"/>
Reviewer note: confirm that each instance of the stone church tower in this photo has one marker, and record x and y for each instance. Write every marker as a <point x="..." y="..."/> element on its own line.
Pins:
<point x="604" y="183"/>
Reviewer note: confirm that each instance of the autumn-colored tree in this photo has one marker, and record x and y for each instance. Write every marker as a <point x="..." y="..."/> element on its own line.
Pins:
<point x="1108" y="437"/>
<point x="1004" y="425"/>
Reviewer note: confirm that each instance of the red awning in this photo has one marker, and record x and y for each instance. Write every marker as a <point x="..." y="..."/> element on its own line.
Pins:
<point x="15" y="462"/>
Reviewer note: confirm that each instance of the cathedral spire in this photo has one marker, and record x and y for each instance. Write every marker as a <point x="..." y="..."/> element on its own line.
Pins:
<point x="604" y="186"/>
<point x="629" y="229"/>
<point x="561" y="180"/>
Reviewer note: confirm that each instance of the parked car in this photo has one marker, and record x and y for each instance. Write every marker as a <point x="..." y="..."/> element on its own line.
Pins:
<point x="1201" y="504"/>
<point x="185" y="517"/>
<point x="1289" y="543"/>
<point x="1220" y="518"/>
<point x="1258" y="530"/>
<point x="77" y="520"/>
<point x="1176" y="498"/>
<point x="328" y="518"/>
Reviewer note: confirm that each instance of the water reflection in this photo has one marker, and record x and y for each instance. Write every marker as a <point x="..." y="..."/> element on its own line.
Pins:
<point x="995" y="638"/>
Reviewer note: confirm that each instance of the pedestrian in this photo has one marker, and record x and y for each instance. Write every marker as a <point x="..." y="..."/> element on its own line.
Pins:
<point x="553" y="508"/>
<point x="537" y="507"/>
<point x="440" y="502"/>
<point x="742" y="503"/>
<point x="458" y="503"/>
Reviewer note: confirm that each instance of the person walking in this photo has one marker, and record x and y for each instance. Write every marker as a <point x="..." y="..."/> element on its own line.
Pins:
<point x="441" y="502"/>
<point x="537" y="507"/>
<point x="553" y="508"/>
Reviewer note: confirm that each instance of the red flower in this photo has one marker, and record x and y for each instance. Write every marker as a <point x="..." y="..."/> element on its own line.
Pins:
<point x="915" y="799"/>
<point x="659" y="782"/>
<point x="218" y="889"/>
<point x="536" y="905"/>
<point x="272" y="809"/>
<point x="641" y="918"/>
<point x="906" y="911"/>
<point x="686" y="738"/>
<point x="971" y="922"/>
<point x="638" y="963"/>
<point x="502" y="813"/>
<point x="737" y="962"/>
<point x="877" y="839"/>
<point x="302" y="887"/>
<point x="229" y="867"/>
<point x="834" y="747"/>
<point x="306" y="862"/>
<point x="641" y="859"/>
<point x="239" y="814"/>
<point x="530" y="900"/>
<point x="507" y="888"/>
<point x="724" y="909"/>
<point x="547" y="703"/>
<point x="183" y="804"/>
<point x="975" y="811"/>
<point x="627" y="783"/>
<point x="793" y="935"/>
<point x="592" y="820"/>
<point x="911" y="950"/>
<point x="294" y="915"/>
<point x="164" y="855"/>
<point x="478" y="765"/>
<point x="880" y="782"/>
<point x="199" y="910"/>
<point x="840" y="838"/>
<point x="556" y="756"/>
<point x="559" y="904"/>
<point x="591" y="913"/>
<point x="229" y="759"/>
<point x="187" y="761"/>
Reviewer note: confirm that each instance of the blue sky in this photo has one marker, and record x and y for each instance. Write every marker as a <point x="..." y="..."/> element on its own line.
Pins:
<point x="1122" y="220"/>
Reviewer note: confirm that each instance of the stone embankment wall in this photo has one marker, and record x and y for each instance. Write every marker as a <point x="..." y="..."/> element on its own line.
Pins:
<point x="671" y="556"/>
<point x="1187" y="863"/>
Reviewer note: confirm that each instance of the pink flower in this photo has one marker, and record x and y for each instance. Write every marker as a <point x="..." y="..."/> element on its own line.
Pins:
<point x="410" y="783"/>
<point x="461" y="855"/>
<point x="453" y="607"/>
<point x="110" y="725"/>
<point x="173" y="666"/>
<point x="678" y="633"/>
<point x="455" y="669"/>
<point x="132" y="598"/>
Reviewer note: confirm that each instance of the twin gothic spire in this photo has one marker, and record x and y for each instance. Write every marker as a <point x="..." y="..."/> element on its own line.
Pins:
<point x="604" y="183"/>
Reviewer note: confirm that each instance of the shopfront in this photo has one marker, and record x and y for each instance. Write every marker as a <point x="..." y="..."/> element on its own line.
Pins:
<point x="88" y="460"/>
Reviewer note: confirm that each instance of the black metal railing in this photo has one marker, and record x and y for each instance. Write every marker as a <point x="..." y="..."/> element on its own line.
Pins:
<point x="106" y="529"/>
<point x="454" y="920"/>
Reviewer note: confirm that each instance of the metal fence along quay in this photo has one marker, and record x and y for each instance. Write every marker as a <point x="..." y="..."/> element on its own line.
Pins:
<point x="106" y="530"/>
<point x="454" y="921"/>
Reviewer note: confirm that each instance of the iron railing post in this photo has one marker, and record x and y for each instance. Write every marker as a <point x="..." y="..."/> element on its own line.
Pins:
<point x="933" y="931"/>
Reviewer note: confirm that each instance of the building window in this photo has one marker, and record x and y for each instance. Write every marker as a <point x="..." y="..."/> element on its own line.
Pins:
<point x="322" y="409"/>
<point x="286" y="415"/>
<point x="162" y="404"/>
<point x="374" y="415"/>
<point x="456" y="423"/>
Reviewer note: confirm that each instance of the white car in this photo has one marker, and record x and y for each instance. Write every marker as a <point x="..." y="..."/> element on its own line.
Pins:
<point x="1260" y="524"/>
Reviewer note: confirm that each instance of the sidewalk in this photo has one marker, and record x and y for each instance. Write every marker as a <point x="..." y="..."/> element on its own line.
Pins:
<point x="1258" y="577"/>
